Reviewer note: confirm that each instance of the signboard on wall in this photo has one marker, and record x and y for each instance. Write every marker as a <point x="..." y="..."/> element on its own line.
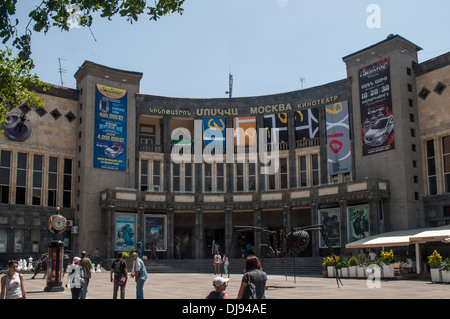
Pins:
<point x="110" y="138"/>
<point x="358" y="222"/>
<point x="338" y="138"/>
<point x="330" y="219"/>
<point x="125" y="229"/>
<point x="377" y="121"/>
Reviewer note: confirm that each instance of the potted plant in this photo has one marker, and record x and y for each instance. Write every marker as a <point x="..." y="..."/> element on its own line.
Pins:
<point x="362" y="264"/>
<point x="353" y="265"/>
<point x="445" y="270"/>
<point x="324" y="268"/>
<point x="386" y="260"/>
<point x="435" y="261"/>
<point x="330" y="263"/>
<point x="345" y="270"/>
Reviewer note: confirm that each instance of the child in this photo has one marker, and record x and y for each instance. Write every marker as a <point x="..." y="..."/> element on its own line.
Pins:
<point x="220" y="284"/>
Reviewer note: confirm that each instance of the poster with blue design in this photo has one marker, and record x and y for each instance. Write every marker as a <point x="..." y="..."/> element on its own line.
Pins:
<point x="110" y="138"/>
<point x="214" y="132"/>
<point x="125" y="230"/>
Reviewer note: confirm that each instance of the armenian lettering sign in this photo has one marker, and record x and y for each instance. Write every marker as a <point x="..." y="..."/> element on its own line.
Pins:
<point x="338" y="138"/>
<point x="110" y="138"/>
<point x="377" y="121"/>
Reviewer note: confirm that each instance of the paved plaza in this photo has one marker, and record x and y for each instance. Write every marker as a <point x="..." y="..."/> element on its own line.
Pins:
<point x="197" y="286"/>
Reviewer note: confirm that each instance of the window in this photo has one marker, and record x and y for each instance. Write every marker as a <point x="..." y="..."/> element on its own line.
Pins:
<point x="245" y="177"/>
<point x="182" y="177"/>
<point x="5" y="169"/>
<point x="144" y="175"/>
<point x="446" y="161"/>
<point x="423" y="94"/>
<point x="67" y="183"/>
<point x="52" y="199"/>
<point x="315" y="170"/>
<point x="3" y="240"/>
<point x="278" y="180"/>
<point x="303" y="180"/>
<point x="21" y="178"/>
<point x="37" y="180"/>
<point x="157" y="176"/>
<point x="214" y="177"/>
<point x="308" y="170"/>
<point x="150" y="175"/>
<point x="440" y="87"/>
<point x="412" y="118"/>
<point x="431" y="168"/>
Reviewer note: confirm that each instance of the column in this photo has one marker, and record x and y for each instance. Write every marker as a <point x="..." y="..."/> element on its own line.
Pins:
<point x="110" y="247"/>
<point x="170" y="233"/>
<point x="287" y="218"/>
<point x="315" y="234"/>
<point x="228" y="229"/>
<point x="257" y="235"/>
<point x="198" y="233"/>
<point x="343" y="222"/>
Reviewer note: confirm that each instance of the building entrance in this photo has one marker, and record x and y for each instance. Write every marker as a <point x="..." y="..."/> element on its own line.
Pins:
<point x="214" y="241"/>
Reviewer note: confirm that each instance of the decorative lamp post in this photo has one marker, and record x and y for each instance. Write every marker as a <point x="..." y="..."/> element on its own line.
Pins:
<point x="56" y="224"/>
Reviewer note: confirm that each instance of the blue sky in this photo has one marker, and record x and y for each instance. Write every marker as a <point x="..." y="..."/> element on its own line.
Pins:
<point x="268" y="45"/>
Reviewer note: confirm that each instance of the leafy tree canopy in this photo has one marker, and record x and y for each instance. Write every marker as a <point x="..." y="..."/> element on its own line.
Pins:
<point x="15" y="72"/>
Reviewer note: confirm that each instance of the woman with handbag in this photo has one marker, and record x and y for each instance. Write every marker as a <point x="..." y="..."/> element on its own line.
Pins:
<point x="253" y="285"/>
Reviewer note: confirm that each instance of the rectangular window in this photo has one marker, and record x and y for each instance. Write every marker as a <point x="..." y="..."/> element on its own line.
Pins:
<point x="5" y="170"/>
<point x="52" y="181"/>
<point x="431" y="168"/>
<point x="156" y="176"/>
<point x="446" y="161"/>
<point x="21" y="178"/>
<point x="188" y="177"/>
<point x="315" y="170"/>
<point x="239" y="177"/>
<point x="37" y="180"/>
<point x="284" y="173"/>
<point x="67" y="183"/>
<point x="208" y="177"/>
<point x="144" y="175"/>
<point x="3" y="240"/>
<point x="220" y="173"/>
<point x="302" y="171"/>
<point x="176" y="178"/>
<point x="252" y="176"/>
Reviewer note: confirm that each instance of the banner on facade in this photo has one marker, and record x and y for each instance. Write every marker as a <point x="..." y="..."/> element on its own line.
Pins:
<point x="244" y="131"/>
<point x="377" y="121"/>
<point x="306" y="124"/>
<point x="330" y="219"/>
<point x="155" y="232"/>
<point x="125" y="229"/>
<point x="358" y="222"/>
<point x="338" y="138"/>
<point x="110" y="133"/>
<point x="214" y="132"/>
<point x="279" y="123"/>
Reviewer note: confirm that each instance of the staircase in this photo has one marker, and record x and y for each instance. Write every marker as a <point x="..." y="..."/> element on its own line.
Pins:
<point x="306" y="266"/>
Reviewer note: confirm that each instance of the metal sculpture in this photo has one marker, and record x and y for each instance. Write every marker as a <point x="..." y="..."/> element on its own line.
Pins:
<point x="297" y="241"/>
<point x="41" y="265"/>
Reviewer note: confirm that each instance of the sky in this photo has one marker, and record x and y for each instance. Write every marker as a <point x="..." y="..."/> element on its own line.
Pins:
<point x="269" y="46"/>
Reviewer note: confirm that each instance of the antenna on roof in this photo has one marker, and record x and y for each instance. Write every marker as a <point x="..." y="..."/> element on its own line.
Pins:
<point x="61" y="71"/>
<point x="302" y="79"/>
<point x="230" y="84"/>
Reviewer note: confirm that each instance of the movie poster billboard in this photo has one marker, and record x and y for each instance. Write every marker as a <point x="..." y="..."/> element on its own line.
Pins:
<point x="358" y="222"/>
<point x="155" y="232"/>
<point x="110" y="135"/>
<point x="377" y="121"/>
<point x="125" y="230"/>
<point x="330" y="219"/>
<point x="338" y="138"/>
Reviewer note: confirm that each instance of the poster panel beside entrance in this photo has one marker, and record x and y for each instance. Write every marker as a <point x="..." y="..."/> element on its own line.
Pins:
<point x="155" y="231"/>
<point x="125" y="230"/>
<point x="358" y="222"/>
<point x="377" y="120"/>
<point x="330" y="219"/>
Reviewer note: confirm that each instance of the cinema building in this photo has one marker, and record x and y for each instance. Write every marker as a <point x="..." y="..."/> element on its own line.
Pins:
<point x="363" y="155"/>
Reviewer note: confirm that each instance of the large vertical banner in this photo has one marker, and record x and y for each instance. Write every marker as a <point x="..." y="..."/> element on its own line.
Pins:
<point x="277" y="122"/>
<point x="306" y="124"/>
<point x="110" y="138"/>
<point x="244" y="131"/>
<point x="377" y="121"/>
<point x="338" y="138"/>
<point x="125" y="231"/>
<point x="214" y="132"/>
<point x="358" y="222"/>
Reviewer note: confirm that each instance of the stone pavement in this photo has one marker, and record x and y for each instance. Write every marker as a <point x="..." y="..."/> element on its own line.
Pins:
<point x="197" y="286"/>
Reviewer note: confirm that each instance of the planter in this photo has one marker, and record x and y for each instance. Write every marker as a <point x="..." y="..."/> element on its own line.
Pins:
<point x="345" y="272"/>
<point x="324" y="273"/>
<point x="353" y="271"/>
<point x="331" y="271"/>
<point x="436" y="275"/>
<point x="445" y="275"/>
<point x="387" y="271"/>
<point x="361" y="272"/>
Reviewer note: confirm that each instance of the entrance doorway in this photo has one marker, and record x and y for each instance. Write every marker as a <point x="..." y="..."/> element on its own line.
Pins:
<point x="183" y="236"/>
<point x="215" y="240"/>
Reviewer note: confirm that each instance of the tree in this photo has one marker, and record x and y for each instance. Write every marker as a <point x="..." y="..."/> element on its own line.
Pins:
<point x="56" y="14"/>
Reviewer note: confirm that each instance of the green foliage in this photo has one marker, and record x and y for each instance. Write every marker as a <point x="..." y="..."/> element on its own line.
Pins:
<point x="434" y="260"/>
<point x="362" y="258"/>
<point x="353" y="261"/>
<point x="17" y="83"/>
<point x="387" y="257"/>
<point x="127" y="254"/>
<point x="445" y="265"/>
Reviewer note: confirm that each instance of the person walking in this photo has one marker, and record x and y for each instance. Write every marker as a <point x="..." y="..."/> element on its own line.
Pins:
<point x="217" y="261"/>
<point x="118" y="275"/>
<point x="86" y="264"/>
<point x="226" y="262"/>
<point x="75" y="279"/>
<point x="12" y="283"/>
<point x="253" y="275"/>
<point x="220" y="284"/>
<point x="140" y="274"/>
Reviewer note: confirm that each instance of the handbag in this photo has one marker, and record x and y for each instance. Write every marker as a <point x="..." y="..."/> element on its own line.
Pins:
<point x="249" y="290"/>
<point x="122" y="280"/>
